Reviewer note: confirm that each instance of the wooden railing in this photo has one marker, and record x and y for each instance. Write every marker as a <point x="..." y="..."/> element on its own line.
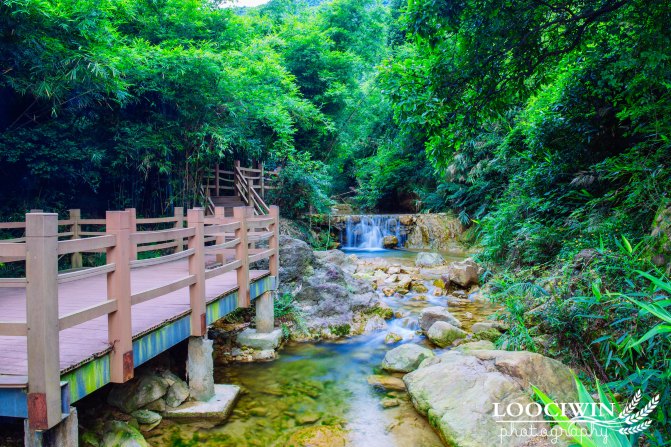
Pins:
<point x="228" y="239"/>
<point x="250" y="184"/>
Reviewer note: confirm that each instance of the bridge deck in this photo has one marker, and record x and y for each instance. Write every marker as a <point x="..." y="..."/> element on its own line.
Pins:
<point x="88" y="340"/>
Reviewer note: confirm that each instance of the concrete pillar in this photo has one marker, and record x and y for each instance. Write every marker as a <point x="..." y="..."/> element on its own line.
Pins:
<point x="64" y="434"/>
<point x="265" y="313"/>
<point x="200" y="369"/>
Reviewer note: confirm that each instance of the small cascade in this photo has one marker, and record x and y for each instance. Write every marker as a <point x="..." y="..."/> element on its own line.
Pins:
<point x="368" y="232"/>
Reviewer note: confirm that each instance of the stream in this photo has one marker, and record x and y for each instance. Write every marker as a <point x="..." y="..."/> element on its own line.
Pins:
<point x="325" y="384"/>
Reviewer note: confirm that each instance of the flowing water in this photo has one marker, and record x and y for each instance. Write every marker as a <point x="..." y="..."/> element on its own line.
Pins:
<point x="367" y="232"/>
<point x="325" y="384"/>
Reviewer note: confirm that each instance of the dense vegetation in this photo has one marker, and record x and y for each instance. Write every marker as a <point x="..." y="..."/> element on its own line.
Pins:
<point x="543" y="124"/>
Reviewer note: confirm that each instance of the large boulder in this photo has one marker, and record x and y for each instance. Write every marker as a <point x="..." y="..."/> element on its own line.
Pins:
<point x="333" y="303"/>
<point x="296" y="257"/>
<point x="405" y="358"/>
<point x="463" y="273"/>
<point x="427" y="259"/>
<point x="458" y="391"/>
<point x="443" y="334"/>
<point x="138" y="392"/>
<point x="430" y="315"/>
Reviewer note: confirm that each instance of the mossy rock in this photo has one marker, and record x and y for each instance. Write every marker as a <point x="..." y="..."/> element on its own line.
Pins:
<point x="488" y="335"/>
<point x="318" y="436"/>
<point x="342" y="330"/>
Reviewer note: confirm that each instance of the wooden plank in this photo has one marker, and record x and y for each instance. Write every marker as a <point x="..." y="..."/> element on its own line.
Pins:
<point x="13" y="250"/>
<point x="222" y="269"/>
<point x="147" y="237"/>
<point x="219" y="229"/>
<point x="85" y="273"/>
<point x="13" y="328"/>
<point x="157" y="220"/>
<point x="242" y="255"/>
<point x="161" y="259"/>
<point x="92" y="233"/>
<point x="274" y="242"/>
<point x="86" y="244"/>
<point x="13" y="381"/>
<point x="120" y="332"/>
<point x="259" y="222"/>
<point x="87" y="314"/>
<point x="44" y="391"/>
<point x="262" y="255"/>
<point x="11" y="225"/>
<point x="76" y="260"/>
<point x="13" y="282"/>
<point x="220" y="248"/>
<point x="196" y="219"/>
<point x="262" y="236"/>
<point x="164" y="245"/>
<point x="156" y="292"/>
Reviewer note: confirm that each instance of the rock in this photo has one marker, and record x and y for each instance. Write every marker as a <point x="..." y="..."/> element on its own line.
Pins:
<point x="457" y="392"/>
<point x="307" y="418"/>
<point x="264" y="355"/>
<point x="252" y="339"/>
<point x="487" y="325"/>
<point x="384" y="310"/>
<point x="318" y="436"/>
<point x="120" y="434"/>
<point x="147" y="417"/>
<point x="296" y="257"/>
<point x="388" y="402"/>
<point x="430" y="315"/>
<point x="388" y="291"/>
<point x="419" y="287"/>
<point x="388" y="383"/>
<point x="158" y="405"/>
<point x="405" y="358"/>
<point x="443" y="334"/>
<point x="138" y="392"/>
<point x="482" y="345"/>
<point x="177" y="394"/>
<point x="394" y="270"/>
<point x="463" y="273"/>
<point x="390" y="242"/>
<point x="439" y="283"/>
<point x="427" y="259"/>
<point x="392" y="337"/>
<point x="375" y="323"/>
<point x="218" y="408"/>
<point x="489" y="334"/>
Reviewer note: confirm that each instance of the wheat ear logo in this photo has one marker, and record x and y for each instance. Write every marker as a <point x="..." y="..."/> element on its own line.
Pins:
<point x="636" y="422"/>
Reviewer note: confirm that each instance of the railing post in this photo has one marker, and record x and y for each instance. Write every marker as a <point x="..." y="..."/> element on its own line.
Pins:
<point x="216" y="180"/>
<point x="242" y="255"/>
<point x="179" y="215"/>
<point x="262" y="181"/>
<point x="196" y="219"/>
<point x="75" y="217"/>
<point x="133" y="229"/>
<point x="237" y="187"/>
<point x="119" y="326"/>
<point x="220" y="215"/>
<point x="274" y="242"/>
<point x="44" y="373"/>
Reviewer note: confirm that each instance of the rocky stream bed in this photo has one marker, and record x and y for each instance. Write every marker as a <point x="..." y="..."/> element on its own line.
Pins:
<point x="389" y="351"/>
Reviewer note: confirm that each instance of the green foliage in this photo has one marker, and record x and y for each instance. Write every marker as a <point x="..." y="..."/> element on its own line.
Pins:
<point x="601" y="436"/>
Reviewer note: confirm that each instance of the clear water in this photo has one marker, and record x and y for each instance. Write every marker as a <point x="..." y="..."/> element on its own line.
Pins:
<point x="325" y="384"/>
<point x="367" y="232"/>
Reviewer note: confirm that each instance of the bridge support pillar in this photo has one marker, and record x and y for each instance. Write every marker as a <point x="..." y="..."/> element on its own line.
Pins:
<point x="265" y="313"/>
<point x="200" y="368"/>
<point x="64" y="434"/>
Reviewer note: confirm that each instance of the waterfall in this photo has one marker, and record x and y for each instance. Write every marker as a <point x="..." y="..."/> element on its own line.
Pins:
<point x="368" y="232"/>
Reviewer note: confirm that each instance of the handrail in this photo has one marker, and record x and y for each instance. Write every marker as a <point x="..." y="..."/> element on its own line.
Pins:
<point x="231" y="236"/>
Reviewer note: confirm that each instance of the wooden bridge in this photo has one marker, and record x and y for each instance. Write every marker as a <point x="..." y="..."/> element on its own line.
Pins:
<point x="65" y="334"/>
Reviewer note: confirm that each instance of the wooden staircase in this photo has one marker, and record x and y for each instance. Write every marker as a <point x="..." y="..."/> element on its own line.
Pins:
<point x="224" y="189"/>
